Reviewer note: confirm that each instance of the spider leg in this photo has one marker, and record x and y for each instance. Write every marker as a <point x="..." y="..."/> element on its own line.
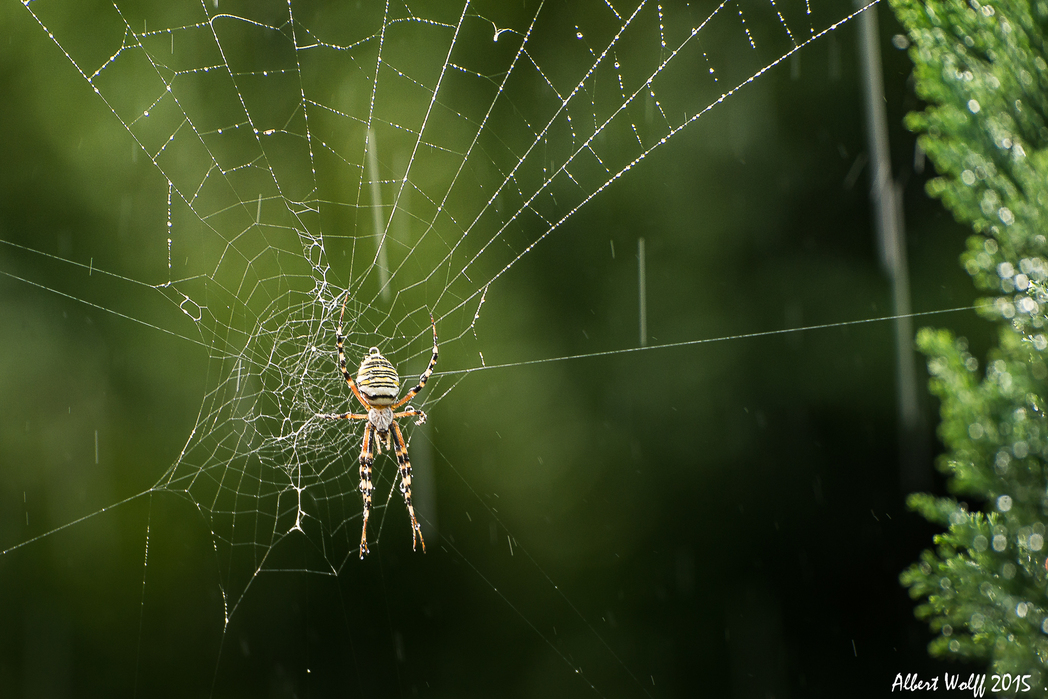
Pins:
<point x="405" y="482"/>
<point x="342" y="416"/>
<point x="339" y="341"/>
<point x="425" y="375"/>
<point x="367" y="458"/>
<point x="412" y="412"/>
<point x="381" y="438"/>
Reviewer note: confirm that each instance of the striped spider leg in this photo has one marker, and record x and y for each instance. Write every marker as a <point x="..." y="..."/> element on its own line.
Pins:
<point x="376" y="387"/>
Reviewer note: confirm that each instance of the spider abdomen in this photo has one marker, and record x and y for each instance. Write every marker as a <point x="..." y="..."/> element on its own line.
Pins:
<point x="377" y="379"/>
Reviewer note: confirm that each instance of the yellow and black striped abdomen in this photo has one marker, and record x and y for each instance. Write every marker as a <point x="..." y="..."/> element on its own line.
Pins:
<point x="377" y="380"/>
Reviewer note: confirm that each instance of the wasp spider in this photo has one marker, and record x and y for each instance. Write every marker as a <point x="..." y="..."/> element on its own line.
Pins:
<point x="376" y="387"/>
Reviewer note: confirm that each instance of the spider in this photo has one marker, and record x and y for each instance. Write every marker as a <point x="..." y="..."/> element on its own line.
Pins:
<point x="376" y="388"/>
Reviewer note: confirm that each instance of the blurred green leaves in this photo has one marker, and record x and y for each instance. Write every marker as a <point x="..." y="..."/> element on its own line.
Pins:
<point x="982" y="70"/>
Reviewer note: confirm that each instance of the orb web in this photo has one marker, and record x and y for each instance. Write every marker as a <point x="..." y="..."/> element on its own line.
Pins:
<point x="403" y="156"/>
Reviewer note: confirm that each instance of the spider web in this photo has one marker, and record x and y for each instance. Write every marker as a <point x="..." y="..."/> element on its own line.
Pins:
<point x="402" y="157"/>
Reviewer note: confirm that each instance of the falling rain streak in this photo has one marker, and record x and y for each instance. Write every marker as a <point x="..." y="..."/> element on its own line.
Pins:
<point x="641" y="272"/>
<point x="376" y="215"/>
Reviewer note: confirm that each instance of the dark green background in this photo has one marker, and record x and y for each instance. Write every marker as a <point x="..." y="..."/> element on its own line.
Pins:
<point x="724" y="519"/>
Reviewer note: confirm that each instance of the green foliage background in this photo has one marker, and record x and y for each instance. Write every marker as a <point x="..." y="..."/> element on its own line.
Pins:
<point x="982" y="70"/>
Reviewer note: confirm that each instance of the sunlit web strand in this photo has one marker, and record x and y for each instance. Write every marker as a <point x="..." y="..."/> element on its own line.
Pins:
<point x="102" y="308"/>
<point x="723" y="338"/>
<point x="421" y="131"/>
<point x="552" y="227"/>
<point x="368" y="145"/>
<point x="90" y="268"/>
<point x="189" y="201"/>
<point x="539" y="138"/>
<point x="476" y="138"/>
<point x="75" y="522"/>
<point x="520" y="162"/>
<point x="618" y="175"/>
<point x="254" y="129"/>
<point x="587" y="144"/>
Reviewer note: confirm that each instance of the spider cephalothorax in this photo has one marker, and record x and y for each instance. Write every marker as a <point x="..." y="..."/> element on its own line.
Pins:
<point x="376" y="387"/>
